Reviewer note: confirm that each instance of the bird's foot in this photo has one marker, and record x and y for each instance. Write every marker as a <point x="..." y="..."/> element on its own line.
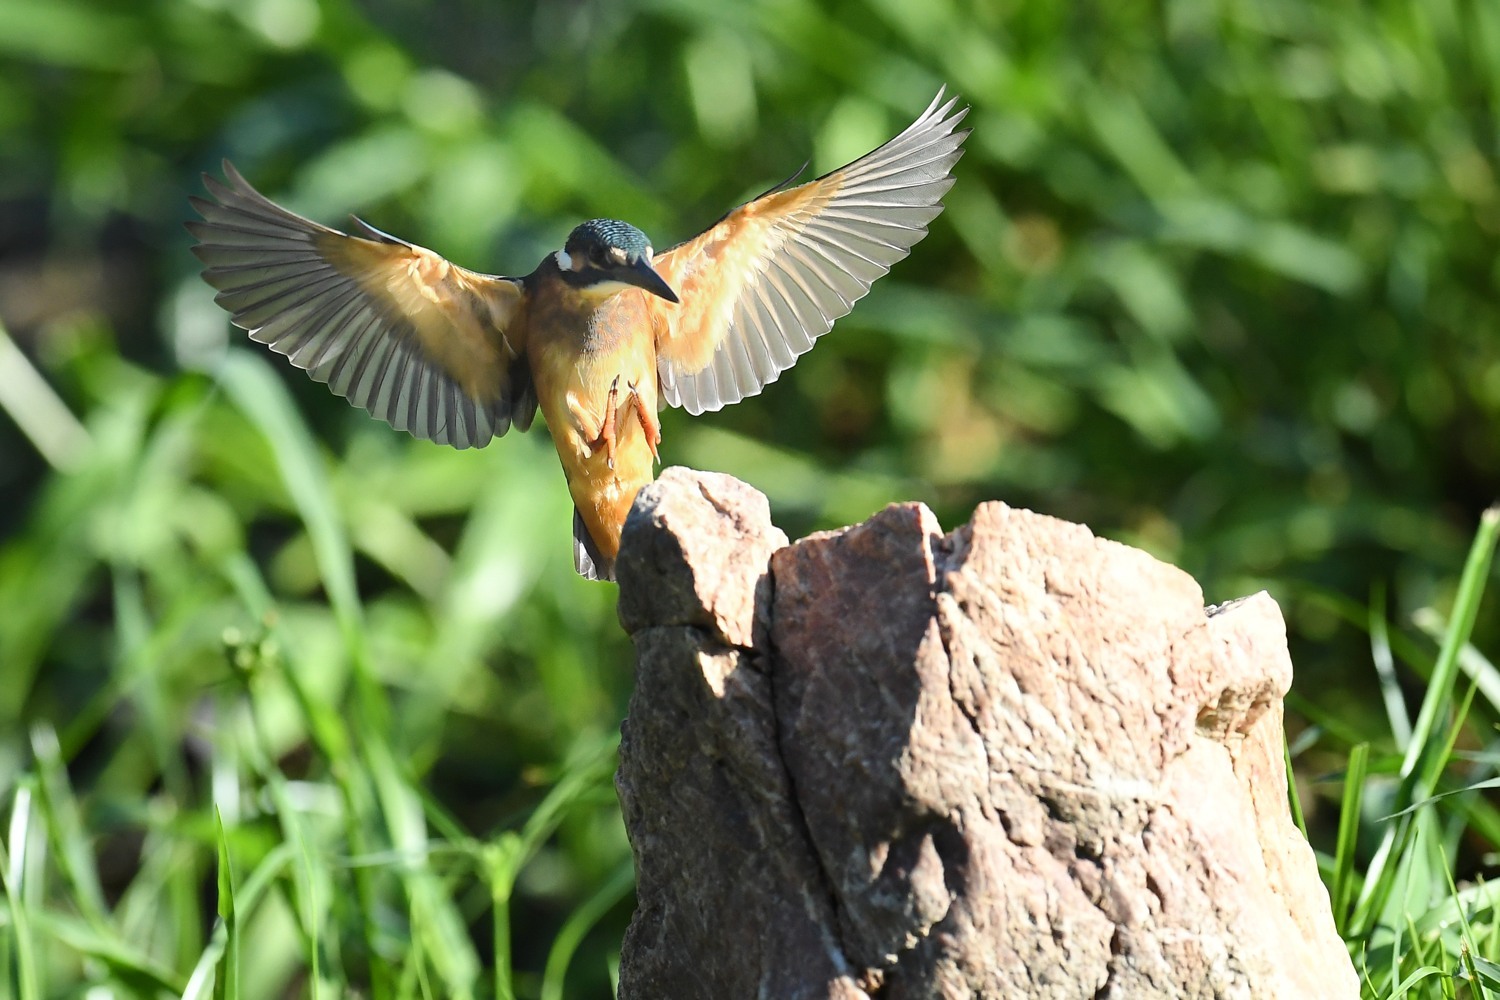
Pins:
<point x="650" y="426"/>
<point x="606" y="438"/>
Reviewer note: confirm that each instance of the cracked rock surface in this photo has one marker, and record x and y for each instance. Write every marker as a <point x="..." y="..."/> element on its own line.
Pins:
<point x="1015" y="760"/>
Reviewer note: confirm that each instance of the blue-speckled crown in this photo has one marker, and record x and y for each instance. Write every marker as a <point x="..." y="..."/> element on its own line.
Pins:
<point x="604" y="233"/>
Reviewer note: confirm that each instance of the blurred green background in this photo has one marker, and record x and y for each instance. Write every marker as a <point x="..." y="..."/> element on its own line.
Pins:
<point x="1216" y="279"/>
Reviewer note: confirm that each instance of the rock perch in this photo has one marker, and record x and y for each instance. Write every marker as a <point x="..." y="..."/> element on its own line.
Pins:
<point x="1012" y="761"/>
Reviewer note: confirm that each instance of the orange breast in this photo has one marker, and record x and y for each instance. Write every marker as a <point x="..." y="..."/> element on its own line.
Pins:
<point x="576" y="356"/>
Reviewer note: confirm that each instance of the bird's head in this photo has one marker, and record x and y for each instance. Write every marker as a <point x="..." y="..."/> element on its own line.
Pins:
<point x="605" y="256"/>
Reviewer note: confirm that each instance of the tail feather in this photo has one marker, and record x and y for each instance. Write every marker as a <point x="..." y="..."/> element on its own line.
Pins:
<point x="587" y="559"/>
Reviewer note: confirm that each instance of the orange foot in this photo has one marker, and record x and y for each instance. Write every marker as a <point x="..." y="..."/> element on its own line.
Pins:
<point x="606" y="438"/>
<point x="649" y="423"/>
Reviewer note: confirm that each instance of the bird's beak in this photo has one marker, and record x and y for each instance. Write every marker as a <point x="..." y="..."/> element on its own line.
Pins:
<point x="643" y="275"/>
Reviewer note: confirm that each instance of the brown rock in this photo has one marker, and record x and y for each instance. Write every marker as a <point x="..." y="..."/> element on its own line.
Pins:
<point x="696" y="538"/>
<point x="1013" y="761"/>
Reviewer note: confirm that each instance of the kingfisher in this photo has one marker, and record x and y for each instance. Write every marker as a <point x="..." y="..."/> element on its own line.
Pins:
<point x="599" y="336"/>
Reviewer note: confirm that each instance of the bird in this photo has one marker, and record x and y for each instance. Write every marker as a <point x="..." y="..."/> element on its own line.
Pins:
<point x="599" y="335"/>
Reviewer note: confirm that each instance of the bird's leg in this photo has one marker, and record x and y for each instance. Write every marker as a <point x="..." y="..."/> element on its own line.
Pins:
<point x="606" y="436"/>
<point x="649" y="424"/>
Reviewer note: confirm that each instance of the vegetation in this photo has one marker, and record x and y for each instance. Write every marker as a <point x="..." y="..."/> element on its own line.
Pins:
<point x="291" y="705"/>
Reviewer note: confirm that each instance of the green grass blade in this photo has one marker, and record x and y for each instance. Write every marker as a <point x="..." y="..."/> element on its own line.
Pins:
<point x="63" y="821"/>
<point x="1445" y="670"/>
<point x="437" y="928"/>
<point x="1485" y="973"/>
<point x="13" y="861"/>
<point x="1424" y="756"/>
<point x="125" y="961"/>
<point x="1348" y="835"/>
<point x="1385" y="672"/>
<point x="1293" y="797"/>
<point x="499" y="862"/>
<point x="502" y="859"/>
<point x="27" y="397"/>
<point x="217" y="971"/>
<point x="1474" y="664"/>
<point x="1419" y="975"/>
<point x="1446" y="753"/>
<point x="578" y="924"/>
<point x="272" y="867"/>
<point x="312" y="891"/>
<point x="1467" y="903"/>
<point x="202" y="982"/>
<point x="1440" y="796"/>
<point x="227" y="982"/>
<point x="592" y="765"/>
<point x="261" y="396"/>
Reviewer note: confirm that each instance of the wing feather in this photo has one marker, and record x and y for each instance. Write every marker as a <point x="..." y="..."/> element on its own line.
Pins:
<point x="419" y="342"/>
<point x="370" y="369"/>
<point x="762" y="284"/>
<point x="351" y="367"/>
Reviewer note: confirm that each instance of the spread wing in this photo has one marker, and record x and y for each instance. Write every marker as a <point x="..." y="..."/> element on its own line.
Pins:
<point x="421" y="343"/>
<point x="771" y="276"/>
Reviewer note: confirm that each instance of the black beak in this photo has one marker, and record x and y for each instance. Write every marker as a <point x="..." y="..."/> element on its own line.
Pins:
<point x="643" y="275"/>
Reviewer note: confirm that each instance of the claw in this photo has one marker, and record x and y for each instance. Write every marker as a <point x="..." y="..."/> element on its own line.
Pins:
<point x="606" y="438"/>
<point x="649" y="425"/>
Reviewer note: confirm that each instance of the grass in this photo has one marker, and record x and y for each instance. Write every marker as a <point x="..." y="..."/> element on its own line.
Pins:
<point x="288" y="713"/>
<point x="256" y="813"/>
<point x="1411" y="930"/>
<point x="246" y="797"/>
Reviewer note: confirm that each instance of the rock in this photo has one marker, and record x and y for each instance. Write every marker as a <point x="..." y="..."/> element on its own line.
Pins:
<point x="1011" y="761"/>
<point x="695" y="539"/>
